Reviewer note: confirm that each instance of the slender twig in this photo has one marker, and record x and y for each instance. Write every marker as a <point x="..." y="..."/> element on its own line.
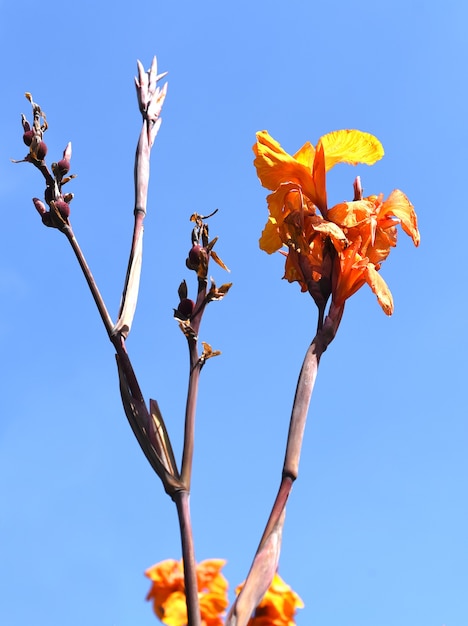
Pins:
<point x="107" y="321"/>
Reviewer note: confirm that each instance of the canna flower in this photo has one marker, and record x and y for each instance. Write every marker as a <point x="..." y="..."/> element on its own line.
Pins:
<point x="168" y="592"/>
<point x="278" y="607"/>
<point x="329" y="251"/>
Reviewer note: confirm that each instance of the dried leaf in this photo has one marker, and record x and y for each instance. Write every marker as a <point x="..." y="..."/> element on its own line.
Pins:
<point x="259" y="578"/>
<point x="130" y="292"/>
<point x="137" y="416"/>
<point x="165" y="452"/>
<point x="208" y="351"/>
<point x="182" y="291"/>
<point x="217" y="260"/>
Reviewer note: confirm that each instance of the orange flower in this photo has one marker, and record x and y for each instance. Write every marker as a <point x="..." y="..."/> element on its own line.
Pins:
<point x="168" y="592"/>
<point x="278" y="606"/>
<point x="352" y="271"/>
<point x="308" y="166"/>
<point x="341" y="249"/>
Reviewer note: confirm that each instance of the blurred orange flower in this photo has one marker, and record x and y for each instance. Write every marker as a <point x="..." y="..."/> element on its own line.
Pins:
<point x="278" y="607"/>
<point x="168" y="592"/>
<point x="337" y="251"/>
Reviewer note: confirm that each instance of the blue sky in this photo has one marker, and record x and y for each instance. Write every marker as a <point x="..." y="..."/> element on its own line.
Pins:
<point x="376" y="529"/>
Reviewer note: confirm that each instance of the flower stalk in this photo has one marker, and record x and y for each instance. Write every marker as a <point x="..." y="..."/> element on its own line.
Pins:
<point x="331" y="252"/>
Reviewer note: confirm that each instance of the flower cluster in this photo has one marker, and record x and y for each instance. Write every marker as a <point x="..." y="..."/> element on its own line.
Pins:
<point x="330" y="251"/>
<point x="58" y="211"/>
<point x="278" y="607"/>
<point x="168" y="592"/>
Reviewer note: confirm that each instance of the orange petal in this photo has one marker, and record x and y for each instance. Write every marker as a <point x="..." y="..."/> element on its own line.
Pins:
<point x="270" y="241"/>
<point x="380" y="288"/>
<point x="333" y="231"/>
<point x="306" y="155"/>
<point x="351" y="146"/>
<point x="318" y="176"/>
<point x="275" y="166"/>
<point x="397" y="204"/>
<point x="350" y="214"/>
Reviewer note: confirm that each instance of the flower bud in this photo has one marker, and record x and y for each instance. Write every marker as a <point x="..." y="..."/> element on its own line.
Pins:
<point x="63" y="208"/>
<point x="63" y="167"/>
<point x="40" y="206"/>
<point x="186" y="307"/>
<point x="41" y="151"/>
<point x="195" y="257"/>
<point x="28" y="137"/>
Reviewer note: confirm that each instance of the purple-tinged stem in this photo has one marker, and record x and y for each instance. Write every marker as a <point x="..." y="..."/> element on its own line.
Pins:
<point x="190" y="413"/>
<point x="264" y="563"/>
<point x="109" y="325"/>
<point x="181" y="499"/>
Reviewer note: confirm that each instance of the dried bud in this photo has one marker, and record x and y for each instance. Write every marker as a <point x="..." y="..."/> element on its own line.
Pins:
<point x="25" y="123"/>
<point x="63" y="208"/>
<point x="40" y="206"/>
<point x="186" y="307"/>
<point x="68" y="197"/>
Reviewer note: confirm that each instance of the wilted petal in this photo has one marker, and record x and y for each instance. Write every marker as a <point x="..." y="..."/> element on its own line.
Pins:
<point x="397" y="204"/>
<point x="350" y="214"/>
<point x="351" y="146"/>
<point x="331" y="230"/>
<point x="380" y="288"/>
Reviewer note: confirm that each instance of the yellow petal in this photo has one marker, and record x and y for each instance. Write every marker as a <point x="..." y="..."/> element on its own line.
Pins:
<point x="350" y="146"/>
<point x="275" y="166"/>
<point x="175" y="610"/>
<point x="306" y="155"/>
<point x="270" y="241"/>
